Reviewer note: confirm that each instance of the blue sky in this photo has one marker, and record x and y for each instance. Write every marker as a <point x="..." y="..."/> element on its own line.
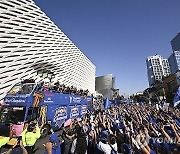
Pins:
<point x="118" y="35"/>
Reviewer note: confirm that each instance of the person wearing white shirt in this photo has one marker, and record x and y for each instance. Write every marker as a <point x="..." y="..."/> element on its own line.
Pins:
<point x="108" y="144"/>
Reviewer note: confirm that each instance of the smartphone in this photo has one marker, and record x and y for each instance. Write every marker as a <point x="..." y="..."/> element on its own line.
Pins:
<point x="19" y="139"/>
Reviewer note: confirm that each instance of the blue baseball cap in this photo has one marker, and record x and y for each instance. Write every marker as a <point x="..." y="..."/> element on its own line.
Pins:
<point x="104" y="135"/>
<point x="54" y="138"/>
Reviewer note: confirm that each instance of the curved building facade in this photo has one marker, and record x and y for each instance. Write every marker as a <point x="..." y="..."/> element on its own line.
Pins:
<point x="105" y="85"/>
<point x="31" y="42"/>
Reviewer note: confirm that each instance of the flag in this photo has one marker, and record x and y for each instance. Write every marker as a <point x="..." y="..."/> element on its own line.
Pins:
<point x="107" y="103"/>
<point x="177" y="98"/>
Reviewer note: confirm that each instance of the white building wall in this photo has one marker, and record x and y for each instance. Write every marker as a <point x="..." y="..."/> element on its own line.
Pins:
<point x="30" y="41"/>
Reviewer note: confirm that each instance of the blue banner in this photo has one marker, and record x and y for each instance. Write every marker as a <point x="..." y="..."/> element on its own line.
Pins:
<point x="19" y="100"/>
<point x="74" y="112"/>
<point x="60" y="116"/>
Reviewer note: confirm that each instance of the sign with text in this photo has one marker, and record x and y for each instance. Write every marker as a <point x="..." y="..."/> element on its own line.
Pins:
<point x="74" y="112"/>
<point x="60" y="116"/>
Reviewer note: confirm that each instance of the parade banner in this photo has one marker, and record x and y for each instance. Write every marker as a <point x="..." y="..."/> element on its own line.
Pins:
<point x="74" y="111"/>
<point x="60" y="116"/>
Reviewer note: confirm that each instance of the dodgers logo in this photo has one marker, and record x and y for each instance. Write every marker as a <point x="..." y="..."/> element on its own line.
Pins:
<point x="74" y="112"/>
<point x="60" y="116"/>
<point x="83" y="109"/>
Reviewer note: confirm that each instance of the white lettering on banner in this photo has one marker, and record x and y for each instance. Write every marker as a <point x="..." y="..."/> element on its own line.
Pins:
<point x="70" y="99"/>
<point x="77" y="99"/>
<point x="13" y="100"/>
<point x="20" y="96"/>
<point x="74" y="112"/>
<point x="60" y="116"/>
<point x="48" y="100"/>
<point x="83" y="109"/>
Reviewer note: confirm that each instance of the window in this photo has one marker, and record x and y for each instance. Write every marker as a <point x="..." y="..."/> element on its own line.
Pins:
<point x="21" y="89"/>
<point x="12" y="114"/>
<point x="32" y="114"/>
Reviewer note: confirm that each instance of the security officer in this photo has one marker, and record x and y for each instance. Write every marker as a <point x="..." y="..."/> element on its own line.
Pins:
<point x="30" y="136"/>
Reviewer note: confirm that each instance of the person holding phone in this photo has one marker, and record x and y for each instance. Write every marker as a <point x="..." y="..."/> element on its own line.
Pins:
<point x="19" y="142"/>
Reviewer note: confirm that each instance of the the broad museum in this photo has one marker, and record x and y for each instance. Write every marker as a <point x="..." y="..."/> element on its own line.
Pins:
<point x="32" y="46"/>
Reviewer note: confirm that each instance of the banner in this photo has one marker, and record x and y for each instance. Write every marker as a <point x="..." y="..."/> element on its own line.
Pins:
<point x="60" y="116"/>
<point x="74" y="112"/>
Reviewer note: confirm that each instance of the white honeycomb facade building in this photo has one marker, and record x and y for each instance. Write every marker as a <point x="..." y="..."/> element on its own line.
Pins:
<point x="30" y="41"/>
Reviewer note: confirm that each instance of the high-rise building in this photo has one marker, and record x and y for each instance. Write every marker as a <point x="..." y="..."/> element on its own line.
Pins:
<point x="105" y="85"/>
<point x="30" y="42"/>
<point x="157" y="68"/>
<point x="175" y="43"/>
<point x="174" y="62"/>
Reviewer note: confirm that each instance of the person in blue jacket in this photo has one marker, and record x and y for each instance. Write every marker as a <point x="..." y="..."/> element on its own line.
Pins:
<point x="53" y="147"/>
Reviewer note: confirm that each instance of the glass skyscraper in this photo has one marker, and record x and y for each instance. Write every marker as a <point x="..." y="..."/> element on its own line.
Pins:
<point x="174" y="62"/>
<point x="175" y="43"/>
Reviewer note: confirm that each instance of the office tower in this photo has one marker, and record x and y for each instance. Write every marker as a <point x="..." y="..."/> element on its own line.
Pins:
<point x="175" y="43"/>
<point x="157" y="68"/>
<point x="174" y="62"/>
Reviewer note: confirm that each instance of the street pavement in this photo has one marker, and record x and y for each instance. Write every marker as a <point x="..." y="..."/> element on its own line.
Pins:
<point x="39" y="148"/>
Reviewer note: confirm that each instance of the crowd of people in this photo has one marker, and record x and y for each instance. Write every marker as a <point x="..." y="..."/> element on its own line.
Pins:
<point x="62" y="88"/>
<point x="120" y="129"/>
<point x="124" y="129"/>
